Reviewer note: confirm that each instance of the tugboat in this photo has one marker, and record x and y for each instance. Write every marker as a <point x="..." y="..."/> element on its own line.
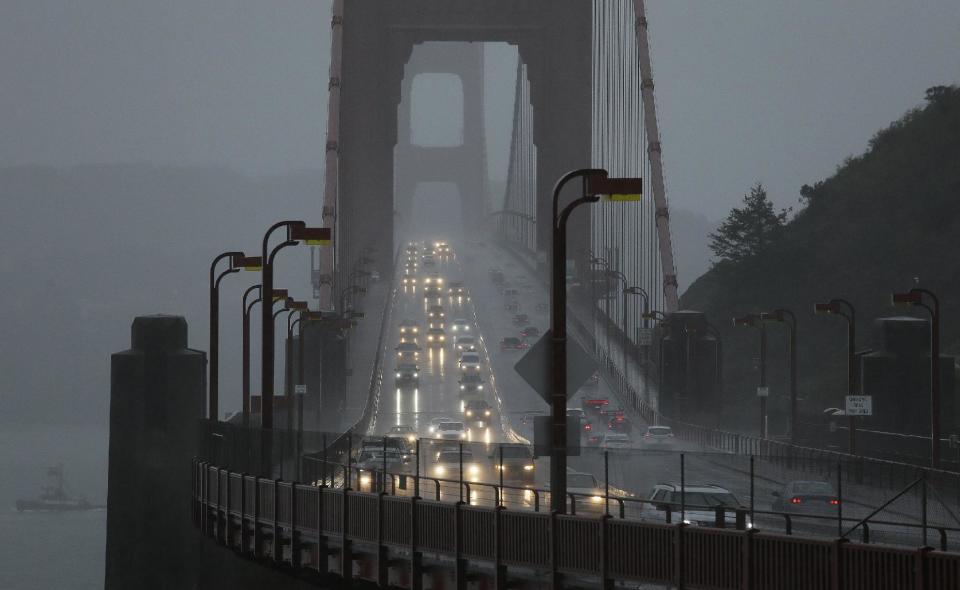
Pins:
<point x="56" y="497"/>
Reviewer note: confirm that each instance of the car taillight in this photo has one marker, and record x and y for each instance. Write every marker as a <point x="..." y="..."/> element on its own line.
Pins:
<point x="834" y="502"/>
<point x="588" y="426"/>
<point x="647" y="435"/>
<point x="795" y="500"/>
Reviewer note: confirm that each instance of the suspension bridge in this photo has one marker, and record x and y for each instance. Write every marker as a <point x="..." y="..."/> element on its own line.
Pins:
<point x="328" y="494"/>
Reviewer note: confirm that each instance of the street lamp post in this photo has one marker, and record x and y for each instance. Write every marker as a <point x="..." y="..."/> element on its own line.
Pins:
<point x="753" y="321"/>
<point x="789" y="319"/>
<point x="914" y="297"/>
<point x="635" y="290"/>
<point x="595" y="183"/>
<point x="246" y="351"/>
<point x="236" y="260"/>
<point x="297" y="231"/>
<point x="836" y="307"/>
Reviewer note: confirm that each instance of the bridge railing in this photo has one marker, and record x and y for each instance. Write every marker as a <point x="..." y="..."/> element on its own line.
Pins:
<point x="298" y="525"/>
<point x="623" y="484"/>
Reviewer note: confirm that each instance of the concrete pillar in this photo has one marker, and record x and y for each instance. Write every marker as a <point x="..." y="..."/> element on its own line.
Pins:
<point x="156" y="400"/>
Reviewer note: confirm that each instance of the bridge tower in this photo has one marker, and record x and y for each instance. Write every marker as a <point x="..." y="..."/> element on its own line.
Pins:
<point x="553" y="38"/>
<point x="464" y="165"/>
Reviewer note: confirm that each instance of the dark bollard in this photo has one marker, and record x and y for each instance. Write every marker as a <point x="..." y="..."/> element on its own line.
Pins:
<point x="157" y="391"/>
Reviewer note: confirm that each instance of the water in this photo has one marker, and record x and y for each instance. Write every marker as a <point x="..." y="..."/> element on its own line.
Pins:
<point x="52" y="550"/>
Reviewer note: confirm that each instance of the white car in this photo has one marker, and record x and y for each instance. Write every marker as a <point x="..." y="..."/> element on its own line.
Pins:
<point x="470" y="361"/>
<point x="448" y="465"/>
<point x="700" y="504"/>
<point x="452" y="430"/>
<point x="466" y="343"/>
<point x="432" y="429"/>
<point x="460" y="325"/>
<point x="658" y="435"/>
<point x="616" y="440"/>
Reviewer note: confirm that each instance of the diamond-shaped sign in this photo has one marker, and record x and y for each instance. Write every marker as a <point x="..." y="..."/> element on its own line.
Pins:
<point x="536" y="366"/>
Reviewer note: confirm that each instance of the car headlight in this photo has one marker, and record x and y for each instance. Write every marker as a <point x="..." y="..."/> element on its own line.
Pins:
<point x="454" y="328"/>
<point x="411" y="438"/>
<point x="486" y="413"/>
<point x="528" y="467"/>
<point x="365" y="480"/>
<point x="469" y="413"/>
<point x="398" y="375"/>
<point x="430" y="338"/>
<point x="474" y="469"/>
<point x="596" y="499"/>
<point x="466" y="328"/>
<point x="440" y="470"/>
<point x="462" y="387"/>
<point x="463" y="435"/>
<point x="480" y="387"/>
<point x="416" y="375"/>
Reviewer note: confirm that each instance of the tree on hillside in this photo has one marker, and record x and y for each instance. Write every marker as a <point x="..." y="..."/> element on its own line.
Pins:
<point x="748" y="230"/>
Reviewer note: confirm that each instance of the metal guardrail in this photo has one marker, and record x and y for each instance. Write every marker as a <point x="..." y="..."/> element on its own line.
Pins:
<point x="301" y="526"/>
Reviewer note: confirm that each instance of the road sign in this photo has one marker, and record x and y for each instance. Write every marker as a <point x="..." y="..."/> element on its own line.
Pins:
<point x="763" y="391"/>
<point x="537" y="365"/>
<point x="859" y="405"/>
<point x="644" y="336"/>
<point x="300" y="388"/>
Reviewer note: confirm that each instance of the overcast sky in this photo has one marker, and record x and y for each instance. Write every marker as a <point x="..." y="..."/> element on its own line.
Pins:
<point x="748" y="90"/>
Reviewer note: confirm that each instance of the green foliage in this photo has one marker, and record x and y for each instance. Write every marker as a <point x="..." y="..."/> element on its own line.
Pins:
<point x="885" y="217"/>
<point x="748" y="231"/>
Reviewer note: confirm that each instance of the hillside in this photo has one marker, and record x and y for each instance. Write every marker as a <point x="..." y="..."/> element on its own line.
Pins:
<point x="886" y="220"/>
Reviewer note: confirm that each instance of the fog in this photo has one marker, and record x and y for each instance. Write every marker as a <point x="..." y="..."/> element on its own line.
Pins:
<point x="142" y="138"/>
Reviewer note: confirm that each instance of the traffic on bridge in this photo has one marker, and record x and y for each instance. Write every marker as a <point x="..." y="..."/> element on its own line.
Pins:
<point x="484" y="302"/>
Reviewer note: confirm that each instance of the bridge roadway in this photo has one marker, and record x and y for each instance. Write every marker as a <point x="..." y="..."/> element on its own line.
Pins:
<point x="395" y="541"/>
<point x="632" y="473"/>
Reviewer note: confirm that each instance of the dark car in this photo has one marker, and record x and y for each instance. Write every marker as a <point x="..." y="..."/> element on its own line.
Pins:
<point x="530" y="332"/>
<point x="512" y="343"/>
<point x="478" y="411"/>
<point x="807" y="497"/>
<point x="408" y="374"/>
<point x="471" y="382"/>
<point x="521" y="319"/>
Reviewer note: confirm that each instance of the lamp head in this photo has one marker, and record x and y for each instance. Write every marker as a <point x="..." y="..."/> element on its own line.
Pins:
<point x="908" y="299"/>
<point x="312" y="236"/>
<point x="826" y="308"/>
